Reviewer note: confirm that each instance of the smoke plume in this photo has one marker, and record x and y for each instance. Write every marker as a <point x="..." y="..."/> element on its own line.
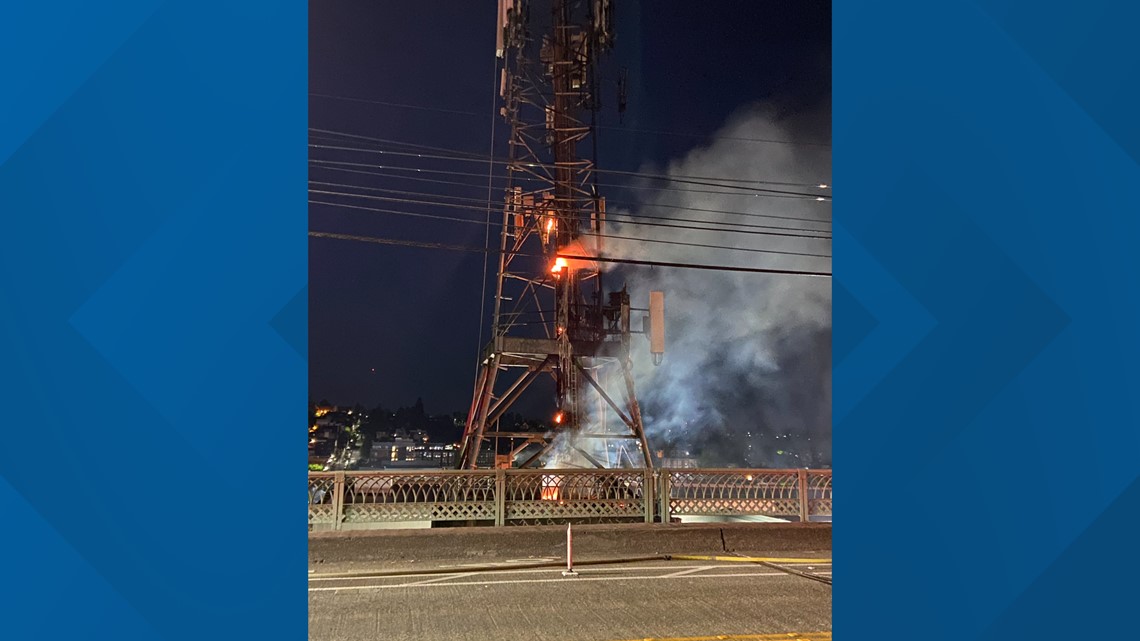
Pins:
<point x="746" y="378"/>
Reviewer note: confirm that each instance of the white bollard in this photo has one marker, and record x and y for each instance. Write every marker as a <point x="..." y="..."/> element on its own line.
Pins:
<point x="569" y="571"/>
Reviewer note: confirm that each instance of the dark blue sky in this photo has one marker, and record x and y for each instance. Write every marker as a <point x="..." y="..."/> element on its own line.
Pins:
<point x="411" y="314"/>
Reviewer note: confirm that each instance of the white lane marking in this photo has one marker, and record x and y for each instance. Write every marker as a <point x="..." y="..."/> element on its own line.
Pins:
<point x="507" y="563"/>
<point x="688" y="571"/>
<point x="446" y="577"/>
<point x="508" y="570"/>
<point x="559" y="580"/>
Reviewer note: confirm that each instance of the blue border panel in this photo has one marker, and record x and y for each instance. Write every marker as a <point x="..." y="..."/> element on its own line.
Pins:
<point x="153" y="319"/>
<point x="988" y="321"/>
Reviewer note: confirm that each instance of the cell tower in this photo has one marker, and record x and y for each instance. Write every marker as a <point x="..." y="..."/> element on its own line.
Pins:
<point x="551" y="314"/>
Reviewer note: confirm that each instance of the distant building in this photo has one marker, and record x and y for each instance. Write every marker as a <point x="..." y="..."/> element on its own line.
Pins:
<point x="441" y="454"/>
<point x="678" y="463"/>
<point x="407" y="452"/>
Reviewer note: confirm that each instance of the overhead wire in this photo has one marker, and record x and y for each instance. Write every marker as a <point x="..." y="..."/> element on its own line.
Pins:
<point x="655" y="132"/>
<point x="398" y="212"/>
<point x="628" y="219"/>
<point x="611" y="236"/>
<point x="471" y="154"/>
<point x="650" y="263"/>
<point x="612" y="202"/>
<point x="723" y="268"/>
<point x="647" y="224"/>
<point x="635" y="187"/>
<point x="487" y="229"/>
<point x="686" y="180"/>
<point x="726" y="186"/>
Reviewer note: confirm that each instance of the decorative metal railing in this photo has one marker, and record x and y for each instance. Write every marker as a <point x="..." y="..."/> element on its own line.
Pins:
<point x="349" y="500"/>
<point x="552" y="495"/>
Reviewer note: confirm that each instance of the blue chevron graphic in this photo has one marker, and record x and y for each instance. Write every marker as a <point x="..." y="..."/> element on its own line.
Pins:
<point x="152" y="185"/>
<point x="77" y="38"/>
<point x="900" y="323"/>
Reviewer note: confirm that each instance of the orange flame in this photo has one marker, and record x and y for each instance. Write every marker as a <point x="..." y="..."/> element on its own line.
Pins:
<point x="549" y="224"/>
<point x="559" y="264"/>
<point x="550" y="488"/>
<point x="558" y="418"/>
<point x="577" y="256"/>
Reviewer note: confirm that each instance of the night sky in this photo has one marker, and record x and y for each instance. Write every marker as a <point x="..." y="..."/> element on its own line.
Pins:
<point x="390" y="324"/>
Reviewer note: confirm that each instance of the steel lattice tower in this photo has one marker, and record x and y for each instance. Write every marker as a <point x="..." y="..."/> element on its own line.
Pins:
<point x="551" y="316"/>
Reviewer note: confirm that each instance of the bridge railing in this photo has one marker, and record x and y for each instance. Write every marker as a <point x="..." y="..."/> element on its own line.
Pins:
<point x="362" y="499"/>
<point x="799" y="494"/>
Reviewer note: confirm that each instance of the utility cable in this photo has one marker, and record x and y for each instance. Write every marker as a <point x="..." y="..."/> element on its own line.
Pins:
<point x="650" y="263"/>
<point x="623" y="214"/>
<point x="639" y="174"/>
<point x="625" y="219"/>
<point x="703" y="183"/>
<point x="611" y="236"/>
<point x="321" y="162"/>
<point x="487" y="229"/>
<point x="654" y="132"/>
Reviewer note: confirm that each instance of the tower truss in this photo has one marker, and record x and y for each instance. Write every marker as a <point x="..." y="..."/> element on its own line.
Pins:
<point x="551" y="315"/>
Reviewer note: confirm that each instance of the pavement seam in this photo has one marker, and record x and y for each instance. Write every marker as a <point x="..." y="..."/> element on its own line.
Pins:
<point x="805" y="575"/>
<point x="484" y="568"/>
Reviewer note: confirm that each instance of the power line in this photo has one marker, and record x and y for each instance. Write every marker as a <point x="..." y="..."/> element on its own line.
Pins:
<point x="705" y="183"/>
<point x="655" y="132"/>
<point x="396" y="104"/>
<point x="487" y="232"/>
<point x="619" y="203"/>
<point x="416" y="178"/>
<point x="615" y="236"/>
<point x="612" y="236"/>
<point x="621" y="218"/>
<point x="402" y="243"/>
<point x="723" y="268"/>
<point x="612" y="202"/>
<point x="400" y="191"/>
<point x="399" y="212"/>
<point x="320" y="163"/>
<point x="651" y="263"/>
<point x="469" y="154"/>
<point x="394" y="199"/>
<point x="662" y="132"/>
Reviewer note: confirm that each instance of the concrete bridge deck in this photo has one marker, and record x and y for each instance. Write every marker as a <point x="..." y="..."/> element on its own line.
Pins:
<point x="746" y="581"/>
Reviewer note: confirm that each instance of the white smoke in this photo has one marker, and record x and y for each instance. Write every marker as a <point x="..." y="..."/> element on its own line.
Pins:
<point x="569" y="450"/>
<point x="746" y="378"/>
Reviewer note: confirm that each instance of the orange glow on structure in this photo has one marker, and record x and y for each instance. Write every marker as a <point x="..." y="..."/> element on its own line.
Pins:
<point x="549" y="224"/>
<point x="550" y="488"/>
<point x="577" y="256"/>
<point x="559" y="264"/>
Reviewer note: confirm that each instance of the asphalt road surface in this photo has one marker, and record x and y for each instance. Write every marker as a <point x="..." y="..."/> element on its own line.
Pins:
<point x="648" y="600"/>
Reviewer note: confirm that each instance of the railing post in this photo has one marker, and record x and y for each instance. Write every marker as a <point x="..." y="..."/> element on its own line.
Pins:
<point x="647" y="482"/>
<point x="663" y="495"/>
<point x="500" y="496"/>
<point x="805" y="511"/>
<point x="338" y="499"/>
